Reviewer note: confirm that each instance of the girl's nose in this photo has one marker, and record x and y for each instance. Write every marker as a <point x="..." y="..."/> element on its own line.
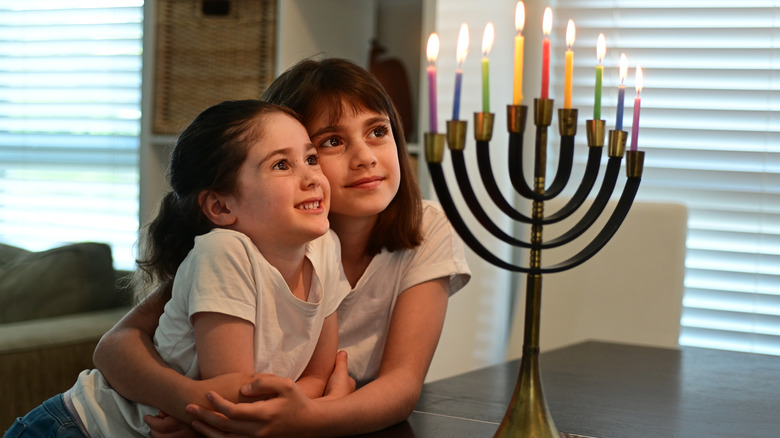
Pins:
<point x="362" y="156"/>
<point x="312" y="178"/>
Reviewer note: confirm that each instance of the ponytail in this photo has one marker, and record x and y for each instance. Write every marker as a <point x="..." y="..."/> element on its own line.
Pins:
<point x="166" y="242"/>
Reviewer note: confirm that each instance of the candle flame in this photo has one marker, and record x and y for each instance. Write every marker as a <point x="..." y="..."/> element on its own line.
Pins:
<point x="520" y="17"/>
<point x="487" y="38"/>
<point x="601" y="47"/>
<point x="547" y="21"/>
<point x="570" y="31"/>
<point x="640" y="79"/>
<point x="623" y="67"/>
<point x="463" y="43"/>
<point x="433" y="48"/>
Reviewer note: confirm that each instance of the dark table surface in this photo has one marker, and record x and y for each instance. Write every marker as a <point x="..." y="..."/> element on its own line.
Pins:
<point x="599" y="389"/>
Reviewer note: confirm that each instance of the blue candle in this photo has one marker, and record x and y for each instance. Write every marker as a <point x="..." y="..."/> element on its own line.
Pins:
<point x="456" y="103"/>
<point x="619" y="116"/>
<point x="463" y="50"/>
<point x="621" y="92"/>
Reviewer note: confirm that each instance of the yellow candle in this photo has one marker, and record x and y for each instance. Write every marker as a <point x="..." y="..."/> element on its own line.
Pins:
<point x="517" y="97"/>
<point x="569" y="74"/>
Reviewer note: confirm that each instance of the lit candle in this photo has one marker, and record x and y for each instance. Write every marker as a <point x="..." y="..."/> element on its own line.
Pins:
<point x="601" y="50"/>
<point x="517" y="97"/>
<point x="487" y="45"/>
<point x="621" y="92"/>
<point x="569" y="74"/>
<point x="462" y="51"/>
<point x="546" y="29"/>
<point x="433" y="53"/>
<point x="637" y="103"/>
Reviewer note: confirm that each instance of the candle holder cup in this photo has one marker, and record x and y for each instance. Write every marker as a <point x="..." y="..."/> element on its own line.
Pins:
<point x="527" y="414"/>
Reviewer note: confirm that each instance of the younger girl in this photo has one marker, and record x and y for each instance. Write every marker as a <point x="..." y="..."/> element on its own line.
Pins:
<point x="246" y="263"/>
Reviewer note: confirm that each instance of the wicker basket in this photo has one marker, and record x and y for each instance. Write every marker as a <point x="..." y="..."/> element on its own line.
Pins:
<point x="208" y="52"/>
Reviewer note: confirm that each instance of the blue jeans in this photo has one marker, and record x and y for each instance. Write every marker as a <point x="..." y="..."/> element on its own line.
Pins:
<point x="51" y="419"/>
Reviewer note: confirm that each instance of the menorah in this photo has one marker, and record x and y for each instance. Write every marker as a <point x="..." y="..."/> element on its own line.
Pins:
<point x="528" y="414"/>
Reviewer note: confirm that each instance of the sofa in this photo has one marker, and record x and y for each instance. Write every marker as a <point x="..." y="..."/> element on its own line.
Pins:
<point x="54" y="307"/>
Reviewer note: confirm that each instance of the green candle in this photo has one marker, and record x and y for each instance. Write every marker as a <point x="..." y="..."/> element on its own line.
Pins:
<point x="487" y="44"/>
<point x="601" y="50"/>
<point x="597" y="101"/>
<point x="485" y="86"/>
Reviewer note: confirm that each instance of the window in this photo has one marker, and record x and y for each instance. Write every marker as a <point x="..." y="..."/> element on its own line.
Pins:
<point x="70" y="95"/>
<point x="711" y="129"/>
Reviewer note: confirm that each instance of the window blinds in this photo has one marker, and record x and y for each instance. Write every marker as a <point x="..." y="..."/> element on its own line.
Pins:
<point x="70" y="91"/>
<point x="710" y="128"/>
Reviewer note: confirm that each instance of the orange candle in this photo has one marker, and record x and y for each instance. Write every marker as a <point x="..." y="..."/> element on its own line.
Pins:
<point x="569" y="73"/>
<point x="517" y="97"/>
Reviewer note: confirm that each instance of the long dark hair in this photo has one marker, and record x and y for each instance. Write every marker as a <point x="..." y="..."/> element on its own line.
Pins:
<point x="310" y="86"/>
<point x="207" y="156"/>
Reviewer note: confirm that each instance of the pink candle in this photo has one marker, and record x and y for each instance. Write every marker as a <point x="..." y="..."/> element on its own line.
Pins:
<point x="546" y="28"/>
<point x="637" y="104"/>
<point x="433" y="53"/>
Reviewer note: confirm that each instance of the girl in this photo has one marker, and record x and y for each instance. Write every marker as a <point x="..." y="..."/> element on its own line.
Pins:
<point x="400" y="255"/>
<point x="260" y="283"/>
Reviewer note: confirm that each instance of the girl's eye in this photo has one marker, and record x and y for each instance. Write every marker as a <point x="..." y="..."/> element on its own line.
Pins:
<point x="280" y="165"/>
<point x="312" y="160"/>
<point x="379" y="131"/>
<point x="330" y="142"/>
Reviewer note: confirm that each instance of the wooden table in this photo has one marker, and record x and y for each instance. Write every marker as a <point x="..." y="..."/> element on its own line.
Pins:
<point x="609" y="390"/>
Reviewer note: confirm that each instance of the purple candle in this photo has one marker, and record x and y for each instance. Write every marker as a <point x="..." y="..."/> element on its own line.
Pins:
<point x="637" y="104"/>
<point x="433" y="53"/>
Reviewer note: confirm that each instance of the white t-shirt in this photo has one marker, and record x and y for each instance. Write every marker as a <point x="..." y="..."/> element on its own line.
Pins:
<point x="364" y="315"/>
<point x="226" y="273"/>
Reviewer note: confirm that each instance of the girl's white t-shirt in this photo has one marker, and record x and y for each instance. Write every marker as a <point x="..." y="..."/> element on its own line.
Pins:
<point x="364" y="315"/>
<point x="226" y="273"/>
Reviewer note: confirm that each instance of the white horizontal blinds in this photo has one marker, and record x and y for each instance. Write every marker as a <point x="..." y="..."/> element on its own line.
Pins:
<point x="70" y="94"/>
<point x="710" y="127"/>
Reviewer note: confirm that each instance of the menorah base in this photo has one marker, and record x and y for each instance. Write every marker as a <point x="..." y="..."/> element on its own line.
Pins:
<point x="528" y="415"/>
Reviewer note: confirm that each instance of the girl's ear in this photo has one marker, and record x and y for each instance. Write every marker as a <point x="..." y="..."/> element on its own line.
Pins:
<point x="215" y="208"/>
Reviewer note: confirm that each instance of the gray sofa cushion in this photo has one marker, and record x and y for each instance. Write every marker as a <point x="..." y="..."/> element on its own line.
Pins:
<point x="70" y="279"/>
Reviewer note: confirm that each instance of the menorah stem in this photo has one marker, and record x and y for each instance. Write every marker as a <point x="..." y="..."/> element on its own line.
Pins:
<point x="543" y="110"/>
<point x="528" y="415"/>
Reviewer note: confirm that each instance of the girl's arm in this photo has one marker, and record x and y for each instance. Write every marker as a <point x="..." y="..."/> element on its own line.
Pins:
<point x="315" y="377"/>
<point x="127" y="358"/>
<point x="389" y="399"/>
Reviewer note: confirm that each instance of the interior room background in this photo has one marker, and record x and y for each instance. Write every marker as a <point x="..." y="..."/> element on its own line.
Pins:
<point x="79" y="159"/>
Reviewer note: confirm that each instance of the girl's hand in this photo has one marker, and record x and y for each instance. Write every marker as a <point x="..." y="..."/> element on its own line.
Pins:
<point x="340" y="383"/>
<point x="163" y="425"/>
<point x="289" y="413"/>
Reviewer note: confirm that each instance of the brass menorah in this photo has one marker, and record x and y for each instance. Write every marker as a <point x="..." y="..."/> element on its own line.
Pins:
<point x="528" y="414"/>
